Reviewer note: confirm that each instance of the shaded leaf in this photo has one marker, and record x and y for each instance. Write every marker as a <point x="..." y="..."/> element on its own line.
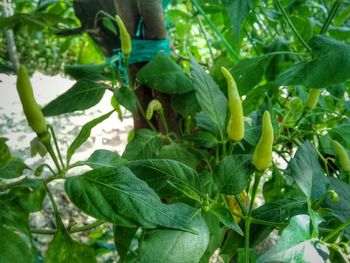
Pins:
<point x="202" y="139"/>
<point x="164" y="75"/>
<point x="13" y="169"/>
<point x="63" y="249"/>
<point x="146" y="144"/>
<point x="89" y="71"/>
<point x="323" y="70"/>
<point x="5" y="154"/>
<point x="296" y="244"/>
<point x="225" y="217"/>
<point x="81" y="96"/>
<point x="13" y="248"/>
<point x="165" y="245"/>
<point x="85" y="134"/>
<point x="127" y="98"/>
<point x="232" y="174"/>
<point x="212" y="101"/>
<point x="249" y="72"/>
<point x="156" y="173"/>
<point x="178" y="152"/>
<point x="122" y="239"/>
<point x="104" y="158"/>
<point x="186" y="104"/>
<point x="118" y="196"/>
<point x="304" y="167"/>
<point x="237" y="11"/>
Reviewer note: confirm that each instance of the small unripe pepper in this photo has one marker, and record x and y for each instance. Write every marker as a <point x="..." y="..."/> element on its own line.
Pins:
<point x="262" y="157"/>
<point x="154" y="105"/>
<point x="342" y="156"/>
<point x="32" y="111"/>
<point x="124" y="37"/>
<point x="312" y="99"/>
<point x="235" y="127"/>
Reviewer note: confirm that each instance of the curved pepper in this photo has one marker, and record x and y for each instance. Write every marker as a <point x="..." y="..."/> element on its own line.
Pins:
<point x="235" y="127"/>
<point x="262" y="157"/>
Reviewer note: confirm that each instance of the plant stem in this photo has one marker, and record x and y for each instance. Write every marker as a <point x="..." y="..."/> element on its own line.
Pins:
<point x="4" y="187"/>
<point x="331" y="15"/>
<point x="284" y="14"/>
<point x="53" y="156"/>
<point x="56" y="145"/>
<point x="214" y="28"/>
<point x="144" y="115"/>
<point x="241" y="204"/>
<point x="248" y="221"/>
<point x="72" y="230"/>
<point x="53" y="203"/>
<point x="201" y="26"/>
<point x="336" y="231"/>
<point x="163" y="120"/>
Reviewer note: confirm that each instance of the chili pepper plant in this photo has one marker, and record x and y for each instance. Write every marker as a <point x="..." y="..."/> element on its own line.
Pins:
<point x="261" y="146"/>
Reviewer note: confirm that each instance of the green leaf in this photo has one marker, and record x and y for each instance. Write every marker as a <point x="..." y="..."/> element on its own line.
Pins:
<point x="12" y="214"/>
<point x="341" y="209"/>
<point x="122" y="239"/>
<point x="186" y="104"/>
<point x="13" y="248"/>
<point x="13" y="169"/>
<point x="145" y="145"/>
<point x="63" y="249"/>
<point x="341" y="133"/>
<point x="232" y="174"/>
<point x="202" y="138"/>
<point x="249" y="72"/>
<point x="279" y="210"/>
<point x="304" y="167"/>
<point x="85" y="134"/>
<point x="253" y="255"/>
<point x="118" y="196"/>
<point x="127" y="98"/>
<point x="296" y="244"/>
<point x="323" y="70"/>
<point x="276" y="211"/>
<point x="178" y="152"/>
<point x="89" y="71"/>
<point x="237" y="11"/>
<point x="212" y="101"/>
<point x="81" y="96"/>
<point x="37" y="147"/>
<point x="216" y="236"/>
<point x="30" y="195"/>
<point x="163" y="245"/>
<point x="206" y="123"/>
<point x="296" y="108"/>
<point x="104" y="158"/>
<point x="164" y="75"/>
<point x="225" y="217"/>
<point x="5" y="154"/>
<point x="156" y="173"/>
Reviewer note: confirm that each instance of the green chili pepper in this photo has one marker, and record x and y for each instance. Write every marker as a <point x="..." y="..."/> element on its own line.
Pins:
<point x="342" y="156"/>
<point x="154" y="105"/>
<point x="235" y="127"/>
<point x="32" y="111"/>
<point x="313" y="98"/>
<point x="124" y="37"/>
<point x="262" y="157"/>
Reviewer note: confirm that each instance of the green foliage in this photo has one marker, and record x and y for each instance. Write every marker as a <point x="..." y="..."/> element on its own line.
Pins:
<point x="179" y="195"/>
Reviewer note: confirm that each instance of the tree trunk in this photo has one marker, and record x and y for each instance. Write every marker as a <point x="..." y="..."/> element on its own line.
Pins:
<point x="131" y="12"/>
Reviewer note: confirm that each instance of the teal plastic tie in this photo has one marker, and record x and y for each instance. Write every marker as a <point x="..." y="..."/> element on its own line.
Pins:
<point x="143" y="50"/>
